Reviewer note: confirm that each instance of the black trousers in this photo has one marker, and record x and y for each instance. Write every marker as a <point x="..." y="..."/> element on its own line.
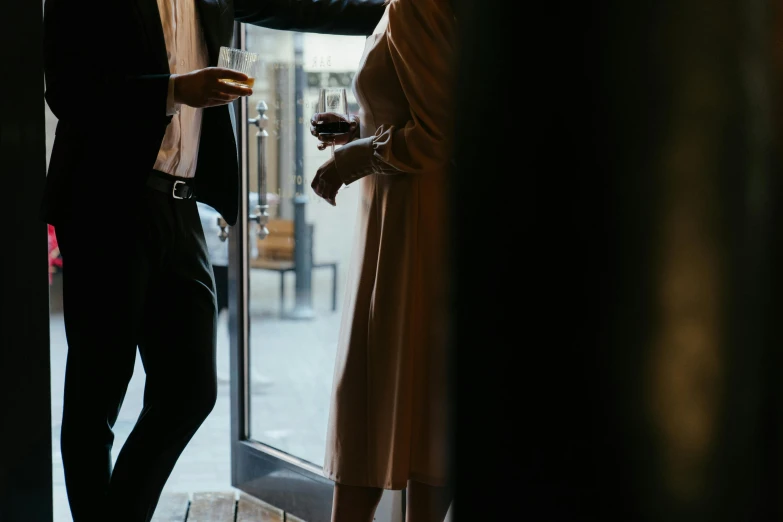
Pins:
<point x="138" y="279"/>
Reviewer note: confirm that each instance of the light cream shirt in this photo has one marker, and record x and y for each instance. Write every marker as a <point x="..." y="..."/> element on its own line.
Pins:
<point x="187" y="51"/>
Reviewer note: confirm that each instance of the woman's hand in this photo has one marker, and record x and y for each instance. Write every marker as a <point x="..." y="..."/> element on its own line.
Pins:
<point x="327" y="181"/>
<point x="330" y="127"/>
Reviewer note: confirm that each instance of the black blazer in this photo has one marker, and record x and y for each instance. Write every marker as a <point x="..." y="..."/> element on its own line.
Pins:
<point x="107" y="76"/>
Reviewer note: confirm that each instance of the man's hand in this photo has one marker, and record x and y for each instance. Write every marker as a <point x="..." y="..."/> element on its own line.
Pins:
<point x="204" y="88"/>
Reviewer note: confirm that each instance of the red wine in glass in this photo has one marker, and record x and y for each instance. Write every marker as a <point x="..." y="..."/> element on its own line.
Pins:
<point x="333" y="127"/>
<point x="334" y="100"/>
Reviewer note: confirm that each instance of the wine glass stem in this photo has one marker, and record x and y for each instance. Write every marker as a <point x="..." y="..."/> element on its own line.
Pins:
<point x="332" y="150"/>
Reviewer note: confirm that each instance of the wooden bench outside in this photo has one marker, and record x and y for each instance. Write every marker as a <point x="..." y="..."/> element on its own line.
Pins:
<point x="276" y="253"/>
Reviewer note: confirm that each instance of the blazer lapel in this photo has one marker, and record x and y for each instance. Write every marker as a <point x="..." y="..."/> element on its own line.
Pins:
<point x="150" y="16"/>
<point x="217" y="20"/>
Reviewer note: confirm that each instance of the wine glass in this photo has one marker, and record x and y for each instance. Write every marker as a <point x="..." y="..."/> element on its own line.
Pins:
<point x="333" y="100"/>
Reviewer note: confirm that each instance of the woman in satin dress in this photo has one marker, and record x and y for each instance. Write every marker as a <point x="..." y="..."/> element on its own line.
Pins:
<point x="388" y="423"/>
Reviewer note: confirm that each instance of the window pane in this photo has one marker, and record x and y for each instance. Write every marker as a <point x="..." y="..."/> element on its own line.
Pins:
<point x="293" y="326"/>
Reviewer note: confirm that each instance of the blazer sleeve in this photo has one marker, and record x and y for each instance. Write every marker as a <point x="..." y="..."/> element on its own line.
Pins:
<point x="84" y="77"/>
<point x="343" y="17"/>
<point x="421" y="35"/>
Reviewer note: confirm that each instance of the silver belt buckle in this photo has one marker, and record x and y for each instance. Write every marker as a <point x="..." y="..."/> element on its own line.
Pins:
<point x="174" y="190"/>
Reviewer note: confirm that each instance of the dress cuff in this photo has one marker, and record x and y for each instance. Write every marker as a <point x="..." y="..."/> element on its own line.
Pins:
<point x="355" y="160"/>
<point x="171" y="107"/>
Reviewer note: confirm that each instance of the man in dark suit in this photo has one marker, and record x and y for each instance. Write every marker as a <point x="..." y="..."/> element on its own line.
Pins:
<point x="145" y="129"/>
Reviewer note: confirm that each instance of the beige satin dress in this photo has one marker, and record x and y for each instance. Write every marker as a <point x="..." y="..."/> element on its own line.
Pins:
<point x="388" y="419"/>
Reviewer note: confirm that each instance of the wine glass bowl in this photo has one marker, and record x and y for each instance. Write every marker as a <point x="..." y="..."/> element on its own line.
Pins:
<point x="333" y="101"/>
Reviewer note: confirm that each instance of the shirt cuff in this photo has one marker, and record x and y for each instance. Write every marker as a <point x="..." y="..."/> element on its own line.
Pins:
<point x="171" y="107"/>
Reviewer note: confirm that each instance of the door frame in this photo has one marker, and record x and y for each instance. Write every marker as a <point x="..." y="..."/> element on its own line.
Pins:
<point x="25" y="380"/>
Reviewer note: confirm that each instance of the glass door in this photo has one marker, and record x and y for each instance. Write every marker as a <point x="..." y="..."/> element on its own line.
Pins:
<point x="289" y="256"/>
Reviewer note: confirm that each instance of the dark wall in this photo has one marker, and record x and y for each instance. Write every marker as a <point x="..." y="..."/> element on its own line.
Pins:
<point x="617" y="256"/>
<point x="25" y="414"/>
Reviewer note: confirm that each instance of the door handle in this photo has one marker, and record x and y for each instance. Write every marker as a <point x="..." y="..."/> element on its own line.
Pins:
<point x="261" y="212"/>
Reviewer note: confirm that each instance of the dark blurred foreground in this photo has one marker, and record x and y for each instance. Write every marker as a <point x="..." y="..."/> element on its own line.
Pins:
<point x="619" y="353"/>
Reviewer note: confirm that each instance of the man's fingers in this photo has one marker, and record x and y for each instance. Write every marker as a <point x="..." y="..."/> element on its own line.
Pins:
<point x="215" y="102"/>
<point x="222" y="97"/>
<point x="229" y="74"/>
<point x="232" y="88"/>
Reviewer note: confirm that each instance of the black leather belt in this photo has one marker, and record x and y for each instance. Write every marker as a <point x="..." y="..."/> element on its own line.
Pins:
<point x="178" y="188"/>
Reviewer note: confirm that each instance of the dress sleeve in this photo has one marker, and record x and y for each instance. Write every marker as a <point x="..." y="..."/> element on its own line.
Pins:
<point x="421" y="35"/>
